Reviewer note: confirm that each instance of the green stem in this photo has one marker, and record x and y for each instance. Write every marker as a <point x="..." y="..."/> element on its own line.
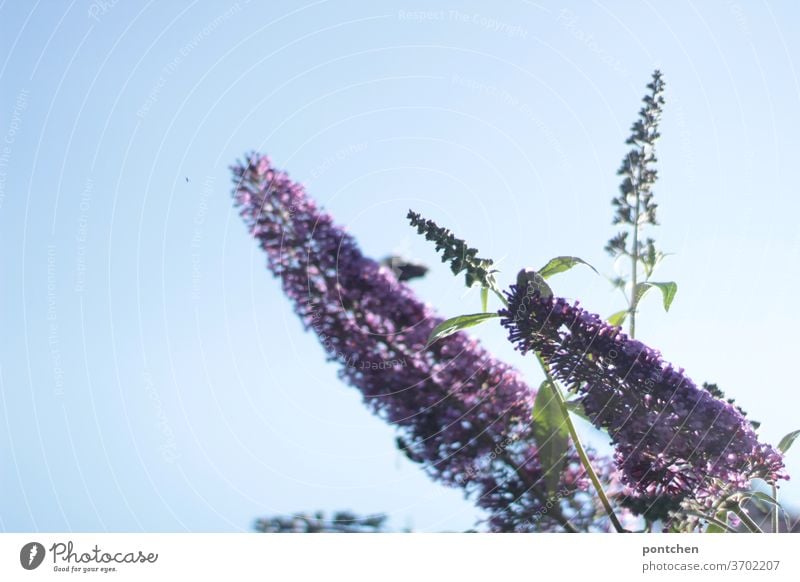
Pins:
<point x="634" y="265"/>
<point x="565" y="523"/>
<point x="746" y="519"/>
<point x="500" y="295"/>
<point x="776" y="522"/>
<point x="573" y="433"/>
<point x="587" y="465"/>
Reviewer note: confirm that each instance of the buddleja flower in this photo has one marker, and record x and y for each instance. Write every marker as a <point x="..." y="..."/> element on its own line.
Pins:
<point x="673" y="440"/>
<point x="461" y="256"/>
<point x="634" y="207"/>
<point x="460" y="412"/>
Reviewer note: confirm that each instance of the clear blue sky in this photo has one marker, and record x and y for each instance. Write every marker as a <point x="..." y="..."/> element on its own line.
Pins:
<point x="153" y="377"/>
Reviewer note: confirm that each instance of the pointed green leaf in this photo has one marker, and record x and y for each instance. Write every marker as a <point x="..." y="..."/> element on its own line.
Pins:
<point x="531" y="280"/>
<point x="551" y="434"/>
<point x="641" y="291"/>
<point x="764" y="497"/>
<point x="561" y="264"/>
<point x="454" y="324"/>
<point x="721" y="517"/>
<point x="484" y="298"/>
<point x="576" y="408"/>
<point x="760" y="499"/>
<point x="668" y="291"/>
<point x="788" y="440"/>
<point x="618" y="318"/>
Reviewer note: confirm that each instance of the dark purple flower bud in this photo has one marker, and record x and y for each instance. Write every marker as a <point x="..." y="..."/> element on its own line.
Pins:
<point x="460" y="412"/>
<point x="672" y="438"/>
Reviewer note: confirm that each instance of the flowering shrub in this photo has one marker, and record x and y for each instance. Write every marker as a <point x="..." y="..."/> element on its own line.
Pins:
<point x="463" y="414"/>
<point x="674" y="441"/>
<point x="684" y="458"/>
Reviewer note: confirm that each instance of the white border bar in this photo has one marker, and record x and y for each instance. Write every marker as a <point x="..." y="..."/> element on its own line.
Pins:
<point x="407" y="557"/>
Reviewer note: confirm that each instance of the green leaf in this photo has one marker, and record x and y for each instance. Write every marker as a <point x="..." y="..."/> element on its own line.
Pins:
<point x="788" y="440"/>
<point x="764" y="497"/>
<point x="576" y="408"/>
<point x="722" y="516"/>
<point x="761" y="498"/>
<point x="668" y="291"/>
<point x="484" y="298"/>
<point x="551" y="434"/>
<point x="641" y="291"/>
<point x="561" y="264"/>
<point x="532" y="281"/>
<point x="618" y="318"/>
<point x="454" y="324"/>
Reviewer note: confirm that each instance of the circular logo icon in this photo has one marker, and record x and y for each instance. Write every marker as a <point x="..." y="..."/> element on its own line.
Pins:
<point x="31" y="555"/>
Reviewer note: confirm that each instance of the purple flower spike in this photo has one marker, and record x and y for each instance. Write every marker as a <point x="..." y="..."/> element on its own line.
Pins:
<point x="460" y="412"/>
<point x="672" y="438"/>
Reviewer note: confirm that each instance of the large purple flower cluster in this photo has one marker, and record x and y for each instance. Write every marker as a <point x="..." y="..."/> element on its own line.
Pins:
<point x="672" y="438"/>
<point x="462" y="413"/>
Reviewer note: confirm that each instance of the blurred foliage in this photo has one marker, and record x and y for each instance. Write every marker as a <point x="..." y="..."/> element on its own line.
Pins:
<point x="339" y="522"/>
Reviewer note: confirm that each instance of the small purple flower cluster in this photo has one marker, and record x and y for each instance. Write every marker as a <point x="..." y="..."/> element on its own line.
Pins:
<point x="672" y="438"/>
<point x="462" y="413"/>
